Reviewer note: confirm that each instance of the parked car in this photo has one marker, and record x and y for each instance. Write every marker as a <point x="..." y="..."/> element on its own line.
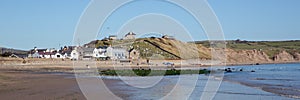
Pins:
<point x="168" y="63"/>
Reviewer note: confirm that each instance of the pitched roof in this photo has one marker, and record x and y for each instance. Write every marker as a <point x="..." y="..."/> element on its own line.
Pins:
<point x="32" y="51"/>
<point x="112" y="36"/>
<point x="88" y="49"/>
<point x="130" y="33"/>
<point x="46" y="53"/>
<point x="102" y="47"/>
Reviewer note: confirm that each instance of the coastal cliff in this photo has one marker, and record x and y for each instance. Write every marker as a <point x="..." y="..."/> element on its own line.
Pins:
<point x="256" y="56"/>
<point x="237" y="51"/>
<point x="246" y="56"/>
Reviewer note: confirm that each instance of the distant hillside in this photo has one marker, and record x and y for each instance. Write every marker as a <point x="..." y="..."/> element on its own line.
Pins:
<point x="237" y="51"/>
<point x="8" y="52"/>
<point x="271" y="48"/>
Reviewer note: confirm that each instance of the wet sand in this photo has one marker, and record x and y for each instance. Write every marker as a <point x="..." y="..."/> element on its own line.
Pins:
<point x="31" y="85"/>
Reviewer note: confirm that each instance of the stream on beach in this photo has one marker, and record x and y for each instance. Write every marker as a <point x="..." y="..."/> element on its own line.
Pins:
<point x="268" y="82"/>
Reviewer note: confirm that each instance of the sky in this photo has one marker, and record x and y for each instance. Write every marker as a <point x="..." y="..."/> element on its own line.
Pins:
<point x="25" y="24"/>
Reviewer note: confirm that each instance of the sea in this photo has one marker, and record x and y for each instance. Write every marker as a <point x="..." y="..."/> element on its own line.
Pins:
<point x="247" y="82"/>
<point x="279" y="79"/>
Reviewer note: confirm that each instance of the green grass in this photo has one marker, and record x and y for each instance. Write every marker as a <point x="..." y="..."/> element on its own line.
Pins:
<point x="149" y="72"/>
<point x="271" y="48"/>
<point x="140" y="45"/>
<point x="168" y="48"/>
<point x="151" y="51"/>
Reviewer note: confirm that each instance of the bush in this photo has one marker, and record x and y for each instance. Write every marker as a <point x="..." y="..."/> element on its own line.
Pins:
<point x="6" y="54"/>
<point x="149" y="72"/>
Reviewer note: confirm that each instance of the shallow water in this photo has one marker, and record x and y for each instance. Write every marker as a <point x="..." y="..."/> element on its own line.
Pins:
<point x="269" y="82"/>
<point x="280" y="79"/>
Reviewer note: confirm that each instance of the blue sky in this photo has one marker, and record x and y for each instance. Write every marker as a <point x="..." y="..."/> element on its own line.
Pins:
<point x="50" y="23"/>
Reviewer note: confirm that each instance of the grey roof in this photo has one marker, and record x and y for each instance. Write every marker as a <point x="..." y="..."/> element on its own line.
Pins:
<point x="88" y="49"/>
<point x="102" y="47"/>
<point x="112" y="36"/>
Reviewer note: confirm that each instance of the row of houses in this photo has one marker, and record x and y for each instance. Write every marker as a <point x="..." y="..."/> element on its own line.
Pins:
<point x="128" y="36"/>
<point x="84" y="53"/>
<point x="51" y="53"/>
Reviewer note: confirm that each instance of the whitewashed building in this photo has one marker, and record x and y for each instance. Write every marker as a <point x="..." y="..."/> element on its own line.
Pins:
<point x="35" y="53"/>
<point x="100" y="52"/>
<point x="130" y="35"/>
<point x="58" y="55"/>
<point x="64" y="53"/>
<point x="112" y="37"/>
<point x="117" y="53"/>
<point x="76" y="53"/>
<point x="47" y="55"/>
<point x="82" y="53"/>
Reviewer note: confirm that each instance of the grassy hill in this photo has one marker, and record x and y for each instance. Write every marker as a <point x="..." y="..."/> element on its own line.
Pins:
<point x="159" y="48"/>
<point x="271" y="48"/>
<point x="174" y="49"/>
<point x="7" y="52"/>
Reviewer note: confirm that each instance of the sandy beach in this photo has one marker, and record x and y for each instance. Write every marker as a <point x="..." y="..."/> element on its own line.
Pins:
<point x="44" y="79"/>
<point x="42" y="85"/>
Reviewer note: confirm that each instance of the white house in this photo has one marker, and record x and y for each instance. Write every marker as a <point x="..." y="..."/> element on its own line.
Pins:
<point x="66" y="52"/>
<point x="130" y="35"/>
<point x="51" y="53"/>
<point x="112" y="37"/>
<point x="76" y="53"/>
<point x="34" y="55"/>
<point x="87" y="53"/>
<point x="47" y="55"/>
<point x="81" y="53"/>
<point x="100" y="52"/>
<point x="66" y="55"/>
<point x="117" y="53"/>
<point x="58" y="55"/>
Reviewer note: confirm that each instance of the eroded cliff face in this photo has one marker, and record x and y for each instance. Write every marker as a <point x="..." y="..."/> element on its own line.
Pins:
<point x="247" y="56"/>
<point x="284" y="56"/>
<point x="297" y="56"/>
<point x="257" y="56"/>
